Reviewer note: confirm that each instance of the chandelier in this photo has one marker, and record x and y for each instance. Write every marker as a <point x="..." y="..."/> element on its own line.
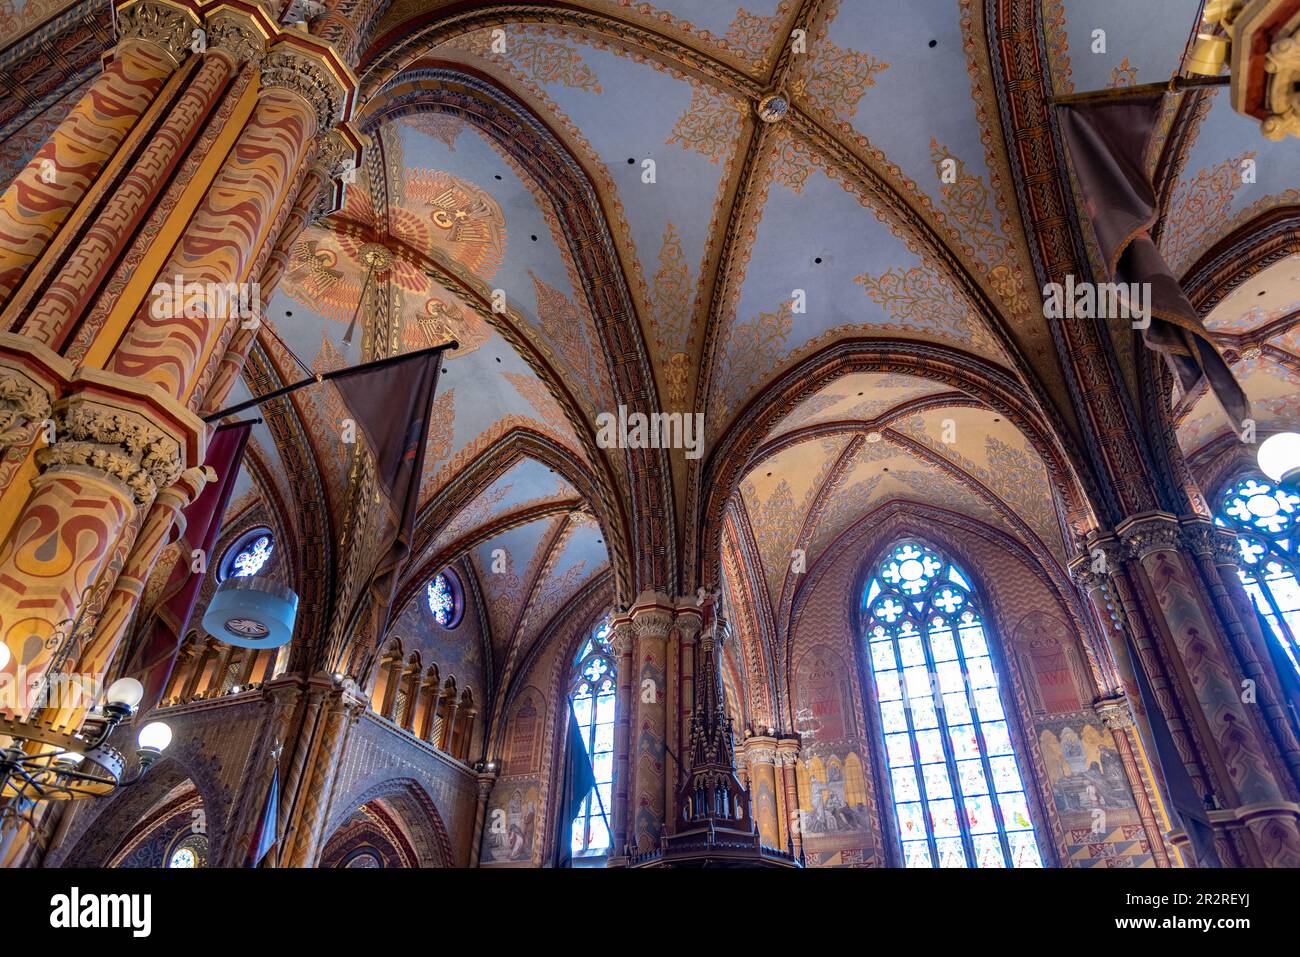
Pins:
<point x="43" y="763"/>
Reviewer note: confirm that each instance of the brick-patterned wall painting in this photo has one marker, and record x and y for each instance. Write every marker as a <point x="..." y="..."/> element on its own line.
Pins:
<point x="1065" y="751"/>
<point x="213" y="746"/>
<point x="377" y="759"/>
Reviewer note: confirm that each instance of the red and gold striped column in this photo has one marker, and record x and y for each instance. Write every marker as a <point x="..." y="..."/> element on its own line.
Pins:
<point x="156" y="36"/>
<point x="232" y="38"/>
<point x="168" y="347"/>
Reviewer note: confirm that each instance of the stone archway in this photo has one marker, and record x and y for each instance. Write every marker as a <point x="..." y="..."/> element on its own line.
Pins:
<point x="394" y="824"/>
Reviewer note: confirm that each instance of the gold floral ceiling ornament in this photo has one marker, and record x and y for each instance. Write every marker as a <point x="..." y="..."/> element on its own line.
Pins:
<point x="773" y="108"/>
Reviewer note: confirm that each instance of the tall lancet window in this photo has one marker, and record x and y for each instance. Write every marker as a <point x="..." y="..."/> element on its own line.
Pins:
<point x="592" y="695"/>
<point x="1266" y="519"/>
<point x="958" y="796"/>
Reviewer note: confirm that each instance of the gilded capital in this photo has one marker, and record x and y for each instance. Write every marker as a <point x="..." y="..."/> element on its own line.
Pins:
<point x="169" y="26"/>
<point x="237" y="34"/>
<point x="309" y="73"/>
<point x="1114" y="712"/>
<point x="23" y="401"/>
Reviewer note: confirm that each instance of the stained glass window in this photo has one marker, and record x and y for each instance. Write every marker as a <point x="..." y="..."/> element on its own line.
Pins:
<point x="248" y="555"/>
<point x="442" y="599"/>
<point x="190" y="852"/>
<point x="1265" y="520"/>
<point x="959" y="799"/>
<point x="253" y="556"/>
<point x="592" y="697"/>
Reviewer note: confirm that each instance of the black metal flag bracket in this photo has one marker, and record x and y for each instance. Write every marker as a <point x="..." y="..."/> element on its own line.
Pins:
<point x="325" y="377"/>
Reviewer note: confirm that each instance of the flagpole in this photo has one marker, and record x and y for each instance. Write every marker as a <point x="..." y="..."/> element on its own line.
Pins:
<point x="325" y="377"/>
<point x="1118" y="94"/>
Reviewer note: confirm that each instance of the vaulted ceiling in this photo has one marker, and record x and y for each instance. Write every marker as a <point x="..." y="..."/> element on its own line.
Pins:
<point x="585" y="196"/>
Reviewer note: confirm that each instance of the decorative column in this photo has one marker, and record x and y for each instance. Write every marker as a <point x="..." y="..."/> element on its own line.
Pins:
<point x="621" y="642"/>
<point x="652" y="620"/>
<point x="686" y="630"/>
<point x="58" y="301"/>
<point x="464" y="727"/>
<point x="484" y="779"/>
<point x="116" y="446"/>
<point x="1215" y="551"/>
<point x="430" y="698"/>
<point x="1251" y="795"/>
<point x="302" y="92"/>
<point x="787" y="752"/>
<point x="341" y="710"/>
<point x="122" y="603"/>
<point x="760" y="759"/>
<point x="1118" y="720"/>
<point x="155" y="37"/>
<point x="411" y="684"/>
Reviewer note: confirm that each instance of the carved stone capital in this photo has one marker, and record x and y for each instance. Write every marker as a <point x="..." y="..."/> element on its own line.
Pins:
<point x="1152" y="532"/>
<point x="123" y="444"/>
<point x="166" y="25"/>
<point x="689" y="621"/>
<point x="1103" y="559"/>
<point x="760" y="749"/>
<point x="336" y="154"/>
<point x="309" y="74"/>
<point x="620" y="637"/>
<point x="1205" y="538"/>
<point x="23" y="400"/>
<point x="238" y="35"/>
<point x="652" y="623"/>
<point x="1114" y="712"/>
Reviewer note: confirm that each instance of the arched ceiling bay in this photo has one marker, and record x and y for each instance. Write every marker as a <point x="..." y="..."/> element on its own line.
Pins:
<point x="1258" y="325"/>
<point x="837" y="457"/>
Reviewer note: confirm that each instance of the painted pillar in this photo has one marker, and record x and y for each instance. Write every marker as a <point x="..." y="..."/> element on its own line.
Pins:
<point x="232" y="38"/>
<point x="1118" y="720"/>
<point x="621" y="641"/>
<point x="166" y="344"/>
<point x="155" y="37"/>
<point x="760" y="759"/>
<point x="341" y="710"/>
<point x="690" y="619"/>
<point x="125" y="597"/>
<point x="787" y="752"/>
<point x="484" y="780"/>
<point x="652" y="620"/>
<point x="115" y="451"/>
<point x="1252" y="794"/>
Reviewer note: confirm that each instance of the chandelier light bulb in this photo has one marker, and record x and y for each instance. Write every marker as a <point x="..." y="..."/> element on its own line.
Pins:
<point x="73" y="758"/>
<point x="126" y="692"/>
<point x="155" y="736"/>
<point x="1279" y="457"/>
